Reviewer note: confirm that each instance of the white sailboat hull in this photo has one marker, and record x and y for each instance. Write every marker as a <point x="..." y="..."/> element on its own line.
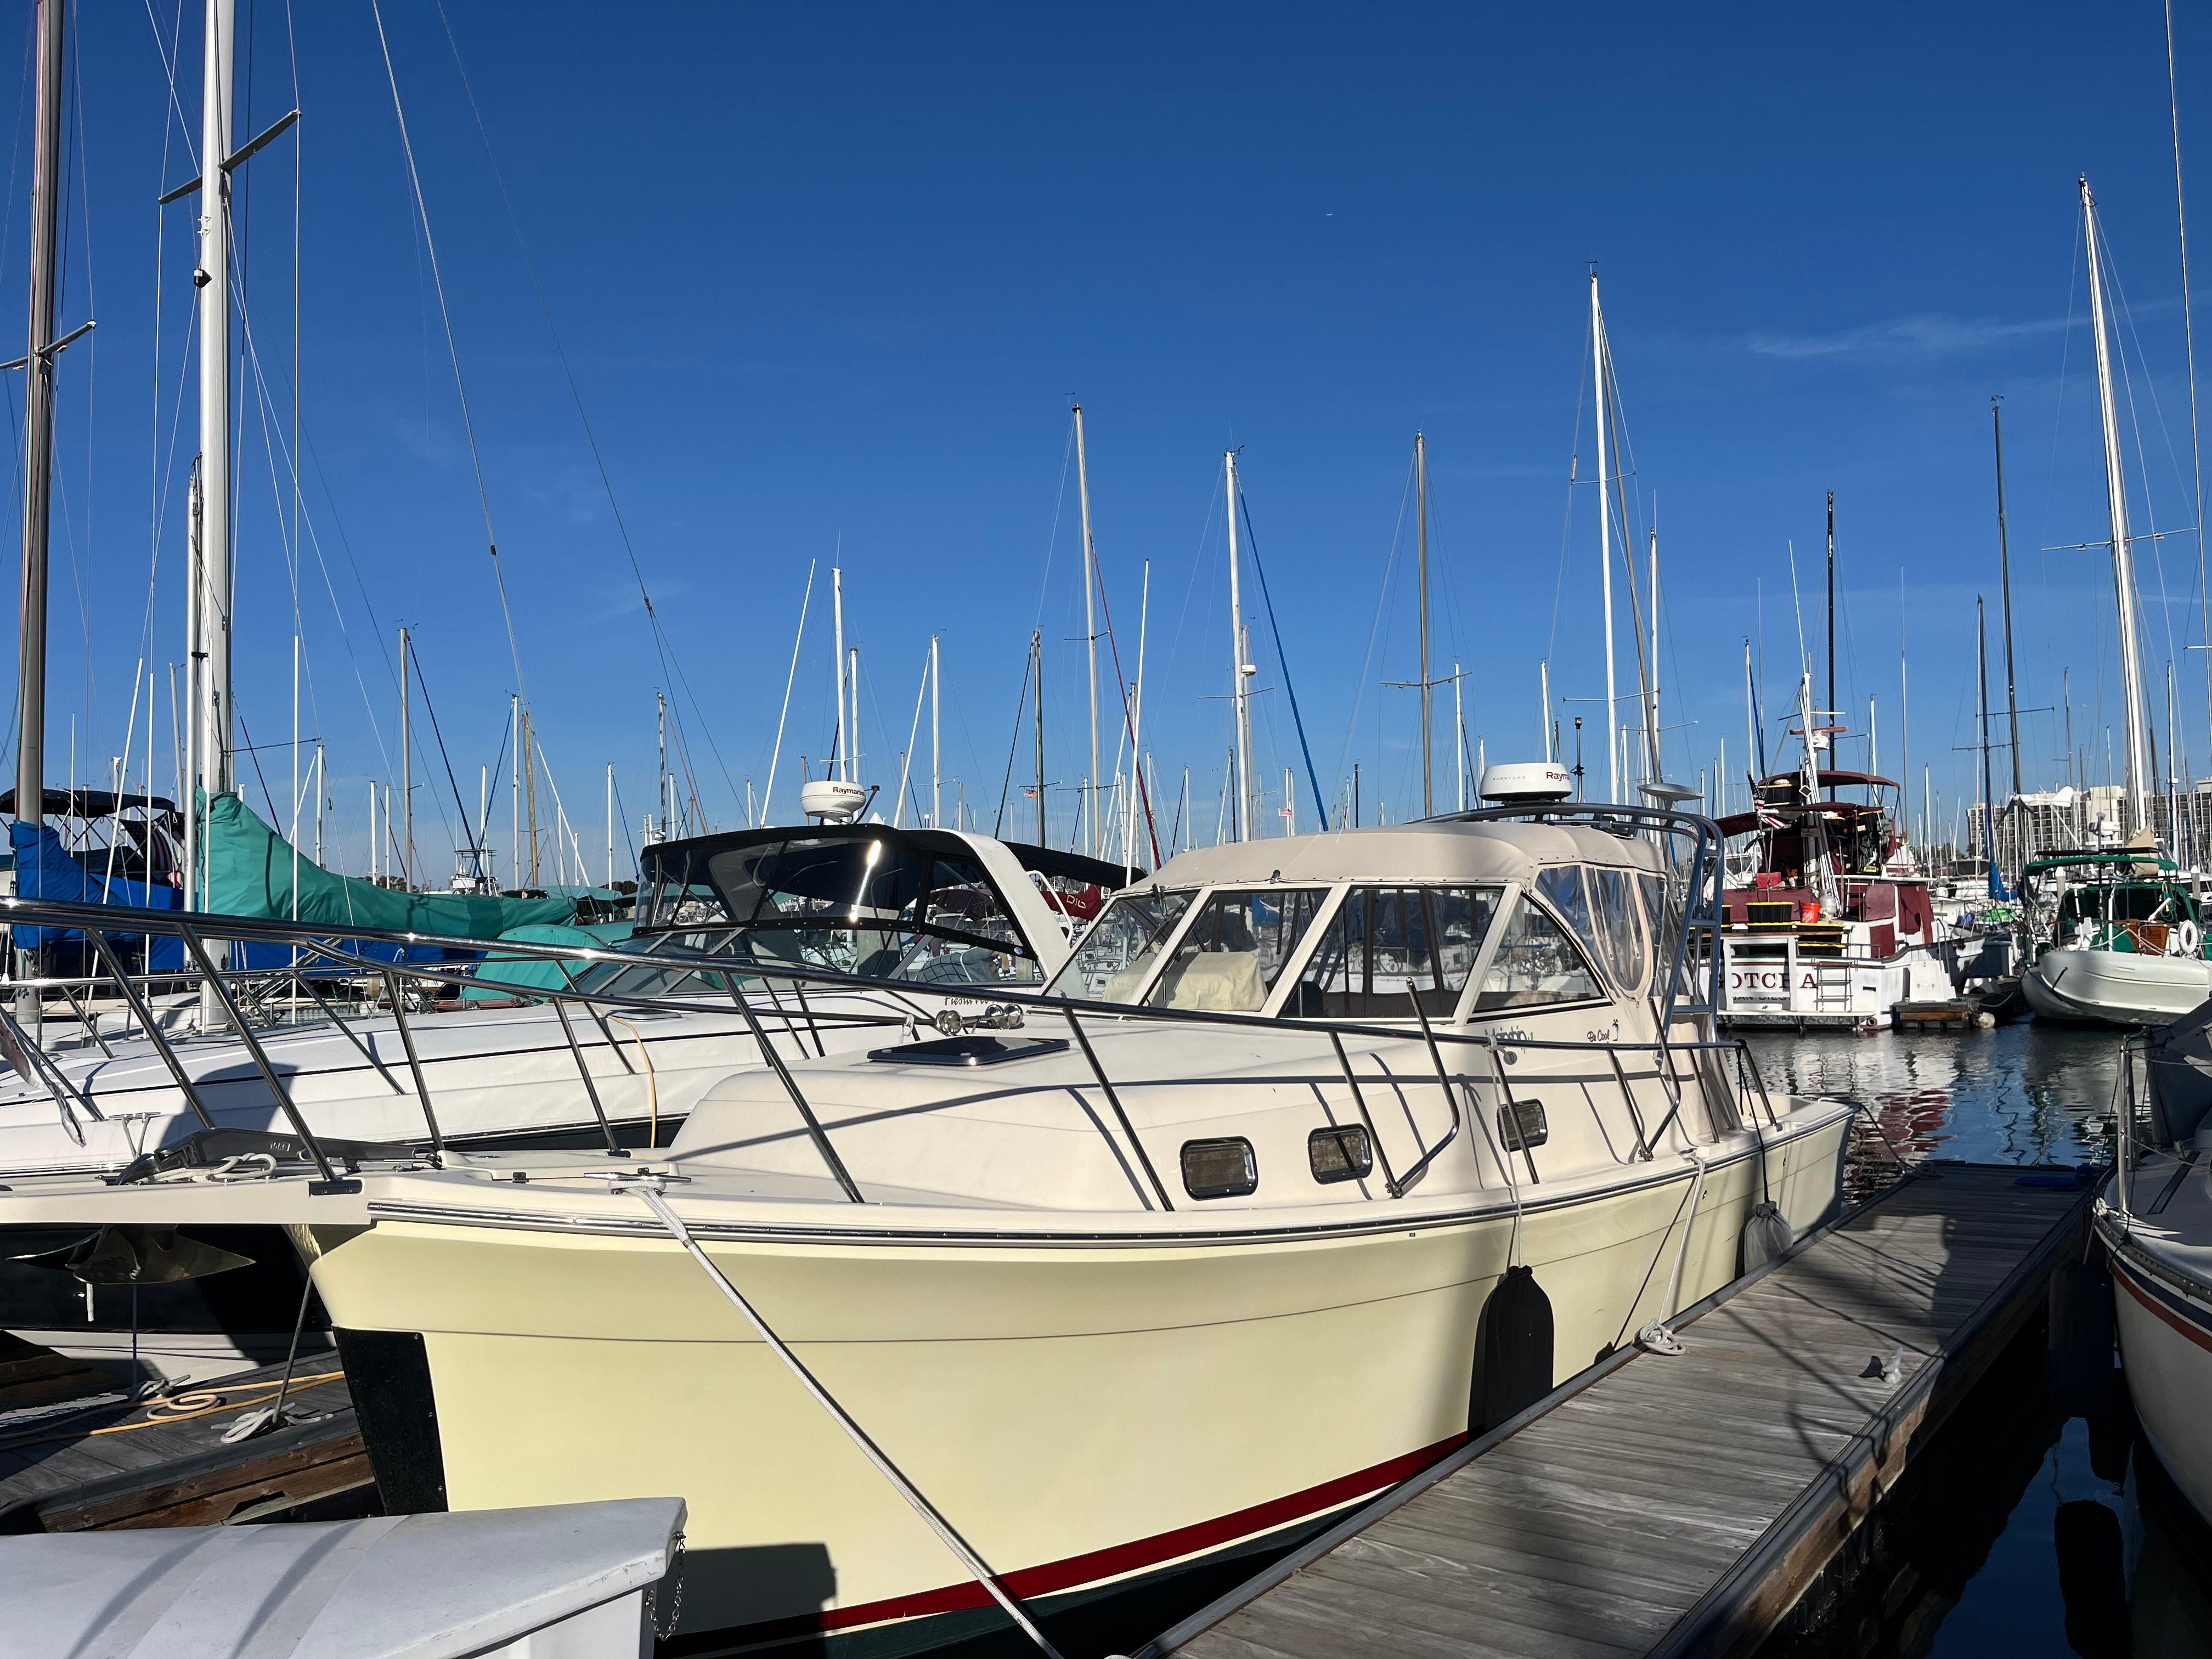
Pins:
<point x="2161" y="1261"/>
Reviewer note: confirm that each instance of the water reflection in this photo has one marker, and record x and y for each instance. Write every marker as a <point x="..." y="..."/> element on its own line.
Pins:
<point x="2025" y="1532"/>
<point x="2028" y="1092"/>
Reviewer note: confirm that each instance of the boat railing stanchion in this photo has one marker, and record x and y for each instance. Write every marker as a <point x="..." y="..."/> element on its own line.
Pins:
<point x="815" y="1131"/>
<point x="1114" y="1102"/>
<point x="330" y="1007"/>
<point x="1451" y="1099"/>
<point x="85" y="1021"/>
<point x="2124" y="1123"/>
<point x="1628" y="1099"/>
<point x="330" y="1182"/>
<point x="559" y="1000"/>
<point x="1390" y="1183"/>
<point x="415" y="1067"/>
<point x="182" y="1077"/>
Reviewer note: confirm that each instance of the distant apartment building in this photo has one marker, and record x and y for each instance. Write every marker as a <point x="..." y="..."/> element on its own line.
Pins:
<point x="2032" y="826"/>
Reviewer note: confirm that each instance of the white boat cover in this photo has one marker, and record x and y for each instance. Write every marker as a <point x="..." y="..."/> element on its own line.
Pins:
<point x="568" y="1577"/>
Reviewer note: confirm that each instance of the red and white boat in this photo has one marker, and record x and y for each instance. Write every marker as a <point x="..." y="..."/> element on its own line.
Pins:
<point x="1833" y="925"/>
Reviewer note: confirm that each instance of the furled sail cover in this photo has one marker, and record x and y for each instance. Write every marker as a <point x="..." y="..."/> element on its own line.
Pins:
<point x="249" y="873"/>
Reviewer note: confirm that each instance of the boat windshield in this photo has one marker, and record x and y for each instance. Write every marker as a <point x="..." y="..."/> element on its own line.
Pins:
<point x="1115" y="957"/>
<point x="1230" y="957"/>
<point x="878" y="907"/>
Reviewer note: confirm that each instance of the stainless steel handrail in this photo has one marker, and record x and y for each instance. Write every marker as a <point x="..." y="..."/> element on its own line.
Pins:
<point x="329" y="946"/>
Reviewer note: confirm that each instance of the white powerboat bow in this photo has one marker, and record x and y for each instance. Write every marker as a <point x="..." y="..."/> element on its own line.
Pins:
<point x="1320" y="1154"/>
<point x="918" y="921"/>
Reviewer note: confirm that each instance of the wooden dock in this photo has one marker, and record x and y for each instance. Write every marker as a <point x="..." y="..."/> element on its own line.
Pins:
<point x="109" y="1460"/>
<point x="1679" y="1506"/>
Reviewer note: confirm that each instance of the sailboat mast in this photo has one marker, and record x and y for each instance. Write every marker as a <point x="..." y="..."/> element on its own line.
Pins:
<point x="1658" y="772"/>
<point x="216" y="585"/>
<point x="406" y="772"/>
<point x="1091" y="627"/>
<point x="1421" y="512"/>
<point x="2004" y="576"/>
<point x="1237" y="688"/>
<point x="1831" y="604"/>
<point x="1604" y="545"/>
<point x="841" y="740"/>
<point x="39" y="446"/>
<point x="1982" y="712"/>
<point x="2116" y="500"/>
<point x="936" y="746"/>
<point x="1037" y="660"/>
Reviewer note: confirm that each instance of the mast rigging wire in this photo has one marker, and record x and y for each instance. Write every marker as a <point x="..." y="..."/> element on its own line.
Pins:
<point x="2189" y="338"/>
<point x="453" y="348"/>
<point x="671" y="665"/>
<point x="1282" y="658"/>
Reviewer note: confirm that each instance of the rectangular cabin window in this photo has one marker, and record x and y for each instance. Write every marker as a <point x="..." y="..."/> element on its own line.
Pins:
<point x="1234" y="950"/>
<point x="1339" y="1152"/>
<point x="1219" y="1169"/>
<point x="1521" y="1125"/>
<point x="1386" y="941"/>
<point x="1116" y="955"/>
<point x="1536" y="965"/>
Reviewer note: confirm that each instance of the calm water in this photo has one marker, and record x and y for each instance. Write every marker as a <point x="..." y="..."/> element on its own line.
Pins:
<point x="2030" y="1533"/>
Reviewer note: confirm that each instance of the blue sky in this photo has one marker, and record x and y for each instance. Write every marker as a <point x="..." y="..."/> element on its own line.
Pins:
<point x="827" y="278"/>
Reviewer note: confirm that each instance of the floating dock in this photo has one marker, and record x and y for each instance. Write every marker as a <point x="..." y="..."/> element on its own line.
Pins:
<point x="1678" y="1506"/>
<point x="111" y="1460"/>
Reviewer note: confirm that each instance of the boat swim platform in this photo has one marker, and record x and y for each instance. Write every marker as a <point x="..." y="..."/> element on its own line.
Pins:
<point x="1679" y="1506"/>
<point x="110" y="1460"/>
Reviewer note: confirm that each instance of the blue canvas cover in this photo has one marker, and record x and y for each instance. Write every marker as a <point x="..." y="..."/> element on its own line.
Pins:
<point x="44" y="869"/>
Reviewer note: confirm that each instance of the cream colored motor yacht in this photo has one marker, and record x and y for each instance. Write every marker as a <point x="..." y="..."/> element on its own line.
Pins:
<point x="1190" y="1260"/>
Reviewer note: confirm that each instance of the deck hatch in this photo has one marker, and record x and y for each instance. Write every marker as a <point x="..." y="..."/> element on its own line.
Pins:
<point x="968" y="1049"/>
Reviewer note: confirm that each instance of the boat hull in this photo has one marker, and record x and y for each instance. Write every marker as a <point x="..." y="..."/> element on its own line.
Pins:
<point x="2161" y="1263"/>
<point x="2114" y="988"/>
<point x="1089" y="1411"/>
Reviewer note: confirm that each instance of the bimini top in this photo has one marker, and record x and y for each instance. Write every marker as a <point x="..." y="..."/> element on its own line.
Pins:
<point x="1432" y="852"/>
<point x="2145" y="860"/>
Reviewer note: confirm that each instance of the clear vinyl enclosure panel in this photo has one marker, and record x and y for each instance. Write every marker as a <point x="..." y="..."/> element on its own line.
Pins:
<point x="876" y="907"/>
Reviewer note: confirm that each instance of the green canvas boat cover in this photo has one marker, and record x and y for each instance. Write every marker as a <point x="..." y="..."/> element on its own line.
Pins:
<point x="249" y="873"/>
<point x="538" y="972"/>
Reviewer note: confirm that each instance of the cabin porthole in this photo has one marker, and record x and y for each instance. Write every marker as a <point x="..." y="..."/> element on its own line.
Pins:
<point x="1219" y="1169"/>
<point x="1521" y="1125"/>
<point x="1339" y="1152"/>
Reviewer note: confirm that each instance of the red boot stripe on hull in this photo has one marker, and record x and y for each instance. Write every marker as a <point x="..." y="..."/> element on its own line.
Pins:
<point x="1116" y="1561"/>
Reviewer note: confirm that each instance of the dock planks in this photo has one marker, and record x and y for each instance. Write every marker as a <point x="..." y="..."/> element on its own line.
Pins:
<point x="1677" y="1506"/>
<point x="121" y="1464"/>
